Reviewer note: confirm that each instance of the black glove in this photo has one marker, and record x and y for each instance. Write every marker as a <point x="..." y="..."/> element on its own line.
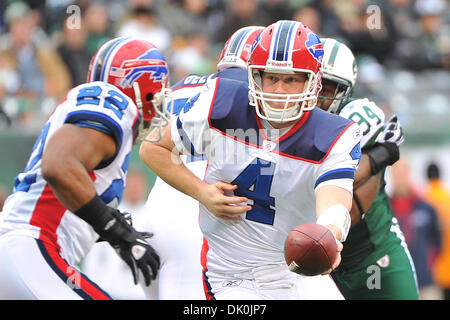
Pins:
<point x="386" y="150"/>
<point x="112" y="226"/>
<point x="382" y="155"/>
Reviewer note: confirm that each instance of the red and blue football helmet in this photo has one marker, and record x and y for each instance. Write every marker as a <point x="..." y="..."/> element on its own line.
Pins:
<point x="236" y="51"/>
<point x="285" y="47"/>
<point x="140" y="70"/>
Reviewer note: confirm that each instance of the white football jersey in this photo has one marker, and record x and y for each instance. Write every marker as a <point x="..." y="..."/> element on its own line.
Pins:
<point x="279" y="177"/>
<point x="177" y="236"/>
<point x="33" y="209"/>
<point x="189" y="88"/>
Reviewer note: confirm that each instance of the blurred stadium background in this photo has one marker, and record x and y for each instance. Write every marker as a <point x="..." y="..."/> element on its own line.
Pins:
<point x="402" y="49"/>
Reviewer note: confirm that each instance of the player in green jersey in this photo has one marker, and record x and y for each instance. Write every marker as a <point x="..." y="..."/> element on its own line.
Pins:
<point x="376" y="263"/>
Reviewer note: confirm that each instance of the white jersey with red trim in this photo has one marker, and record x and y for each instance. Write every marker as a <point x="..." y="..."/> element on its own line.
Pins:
<point x="278" y="176"/>
<point x="33" y="209"/>
<point x="180" y="241"/>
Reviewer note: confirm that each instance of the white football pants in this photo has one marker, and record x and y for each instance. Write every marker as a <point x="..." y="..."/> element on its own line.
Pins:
<point x="31" y="269"/>
<point x="273" y="282"/>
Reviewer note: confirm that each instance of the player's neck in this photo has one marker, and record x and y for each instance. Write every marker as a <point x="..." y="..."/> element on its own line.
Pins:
<point x="281" y="125"/>
<point x="275" y="129"/>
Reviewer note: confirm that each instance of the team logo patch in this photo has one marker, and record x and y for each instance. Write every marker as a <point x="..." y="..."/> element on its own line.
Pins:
<point x="268" y="145"/>
<point x="314" y="46"/>
<point x="383" y="261"/>
<point x="151" y="63"/>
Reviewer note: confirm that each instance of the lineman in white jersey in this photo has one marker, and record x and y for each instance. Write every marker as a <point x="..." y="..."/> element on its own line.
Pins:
<point x="66" y="197"/>
<point x="177" y="236"/>
<point x="274" y="162"/>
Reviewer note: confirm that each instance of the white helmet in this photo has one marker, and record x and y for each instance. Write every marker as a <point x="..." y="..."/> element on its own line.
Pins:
<point x="339" y="66"/>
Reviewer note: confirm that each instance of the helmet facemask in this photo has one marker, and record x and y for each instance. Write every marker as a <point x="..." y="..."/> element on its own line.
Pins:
<point x="294" y="104"/>
<point x="155" y="113"/>
<point x="341" y="93"/>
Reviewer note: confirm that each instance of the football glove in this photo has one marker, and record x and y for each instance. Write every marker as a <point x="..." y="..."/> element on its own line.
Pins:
<point x="131" y="245"/>
<point x="392" y="132"/>
<point x="386" y="150"/>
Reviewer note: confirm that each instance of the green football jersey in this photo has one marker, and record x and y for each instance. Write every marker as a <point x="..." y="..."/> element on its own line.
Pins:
<point x="376" y="243"/>
<point x="373" y="231"/>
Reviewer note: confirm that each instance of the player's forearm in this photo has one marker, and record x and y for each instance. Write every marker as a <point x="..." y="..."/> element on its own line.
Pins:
<point x="332" y="210"/>
<point x="70" y="182"/>
<point x="363" y="173"/>
<point x="169" y="167"/>
<point x="71" y="153"/>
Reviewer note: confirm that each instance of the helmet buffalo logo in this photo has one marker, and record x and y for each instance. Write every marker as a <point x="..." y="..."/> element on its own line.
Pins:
<point x="314" y="46"/>
<point x="150" y="62"/>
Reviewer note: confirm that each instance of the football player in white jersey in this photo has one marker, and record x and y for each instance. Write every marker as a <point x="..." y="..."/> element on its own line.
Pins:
<point x="274" y="162"/>
<point x="65" y="199"/>
<point x="177" y="236"/>
<point x="375" y="238"/>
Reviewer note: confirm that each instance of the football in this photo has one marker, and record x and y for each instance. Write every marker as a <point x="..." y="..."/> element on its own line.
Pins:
<point x="310" y="249"/>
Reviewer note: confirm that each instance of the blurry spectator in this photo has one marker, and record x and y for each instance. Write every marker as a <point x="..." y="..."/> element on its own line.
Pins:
<point x="192" y="57"/>
<point x="74" y="53"/>
<point x="367" y="32"/>
<point x="330" y="23"/>
<point x="53" y="13"/>
<point x="39" y="67"/>
<point x="240" y="13"/>
<point x="9" y="86"/>
<point x="310" y="17"/>
<point x="419" y="223"/>
<point x="429" y="46"/>
<point x="9" y="78"/>
<point x="97" y="26"/>
<point x="185" y="17"/>
<point x="102" y="264"/>
<point x="143" y="24"/>
<point x="403" y="15"/>
<point x="438" y="195"/>
<point x="270" y="11"/>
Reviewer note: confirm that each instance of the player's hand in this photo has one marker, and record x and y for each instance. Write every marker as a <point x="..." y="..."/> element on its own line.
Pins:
<point x="392" y="132"/>
<point x="340" y="246"/>
<point x="216" y="200"/>
<point x="386" y="150"/>
<point x="132" y="247"/>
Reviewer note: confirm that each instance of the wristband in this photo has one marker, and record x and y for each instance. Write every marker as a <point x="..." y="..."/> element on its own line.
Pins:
<point x="382" y="155"/>
<point x="338" y="216"/>
<point x="97" y="214"/>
